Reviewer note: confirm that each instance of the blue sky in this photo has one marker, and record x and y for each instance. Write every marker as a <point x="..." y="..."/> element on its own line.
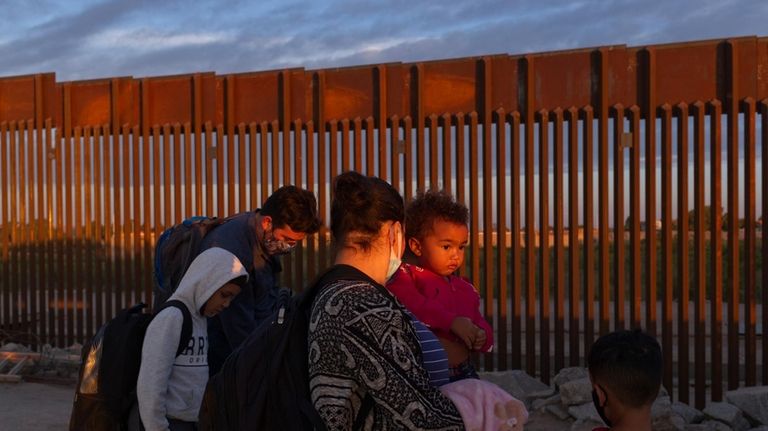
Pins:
<point x="84" y="39"/>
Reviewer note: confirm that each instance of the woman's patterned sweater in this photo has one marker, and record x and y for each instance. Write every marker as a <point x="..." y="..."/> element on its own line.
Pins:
<point x="362" y="342"/>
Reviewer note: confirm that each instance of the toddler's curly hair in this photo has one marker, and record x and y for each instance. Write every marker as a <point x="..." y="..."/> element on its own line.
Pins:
<point x="426" y="207"/>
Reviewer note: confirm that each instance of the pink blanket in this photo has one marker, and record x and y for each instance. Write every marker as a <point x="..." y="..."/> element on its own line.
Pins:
<point x="485" y="406"/>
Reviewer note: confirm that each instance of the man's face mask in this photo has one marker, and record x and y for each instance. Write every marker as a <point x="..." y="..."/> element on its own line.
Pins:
<point x="274" y="246"/>
<point x="601" y="408"/>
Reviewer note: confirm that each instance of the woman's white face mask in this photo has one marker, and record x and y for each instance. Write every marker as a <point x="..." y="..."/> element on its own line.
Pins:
<point x="396" y="249"/>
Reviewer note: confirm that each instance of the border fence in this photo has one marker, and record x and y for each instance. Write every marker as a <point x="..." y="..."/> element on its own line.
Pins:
<point x="609" y="187"/>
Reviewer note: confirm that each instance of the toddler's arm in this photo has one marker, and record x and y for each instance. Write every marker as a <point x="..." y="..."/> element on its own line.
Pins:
<point x="484" y="342"/>
<point x="480" y="339"/>
<point x="432" y="313"/>
<point x="486" y="345"/>
<point x="467" y="332"/>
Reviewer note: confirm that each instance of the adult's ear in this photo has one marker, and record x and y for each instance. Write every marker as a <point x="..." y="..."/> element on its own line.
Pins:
<point x="266" y="221"/>
<point x="415" y="246"/>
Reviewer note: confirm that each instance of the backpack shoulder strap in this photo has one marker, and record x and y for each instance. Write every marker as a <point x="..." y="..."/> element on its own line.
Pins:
<point x="186" y="326"/>
<point x="343" y="272"/>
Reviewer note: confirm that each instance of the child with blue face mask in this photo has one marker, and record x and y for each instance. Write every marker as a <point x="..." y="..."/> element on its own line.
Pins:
<point x="625" y="369"/>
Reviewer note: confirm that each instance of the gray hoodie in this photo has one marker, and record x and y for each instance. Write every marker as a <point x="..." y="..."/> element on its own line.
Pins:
<point x="171" y="386"/>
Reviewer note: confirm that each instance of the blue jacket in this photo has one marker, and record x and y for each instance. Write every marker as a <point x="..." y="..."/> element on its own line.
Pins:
<point x="228" y="329"/>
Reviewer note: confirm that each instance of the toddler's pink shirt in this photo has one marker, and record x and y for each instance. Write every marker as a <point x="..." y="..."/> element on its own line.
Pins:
<point x="437" y="300"/>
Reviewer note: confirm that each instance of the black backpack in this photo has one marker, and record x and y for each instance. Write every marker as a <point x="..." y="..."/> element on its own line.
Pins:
<point x="106" y="386"/>
<point x="175" y="250"/>
<point x="264" y="384"/>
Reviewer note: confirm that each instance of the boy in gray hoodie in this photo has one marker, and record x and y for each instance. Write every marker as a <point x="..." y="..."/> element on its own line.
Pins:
<point x="170" y="388"/>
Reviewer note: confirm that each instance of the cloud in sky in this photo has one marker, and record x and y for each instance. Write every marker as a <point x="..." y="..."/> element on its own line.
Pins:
<point x="152" y="40"/>
<point x="91" y="39"/>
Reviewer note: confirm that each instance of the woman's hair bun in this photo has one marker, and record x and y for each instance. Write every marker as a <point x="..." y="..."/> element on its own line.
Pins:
<point x="350" y="188"/>
<point x="361" y="204"/>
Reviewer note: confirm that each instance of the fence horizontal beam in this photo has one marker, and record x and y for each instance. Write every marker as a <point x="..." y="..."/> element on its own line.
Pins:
<point x="683" y="72"/>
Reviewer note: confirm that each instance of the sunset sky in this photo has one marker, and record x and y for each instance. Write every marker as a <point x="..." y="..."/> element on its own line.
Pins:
<point x="83" y="39"/>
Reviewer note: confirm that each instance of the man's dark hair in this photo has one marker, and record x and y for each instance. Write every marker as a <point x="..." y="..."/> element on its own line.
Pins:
<point x="294" y="207"/>
<point x="426" y="208"/>
<point x="359" y="207"/>
<point x="629" y="363"/>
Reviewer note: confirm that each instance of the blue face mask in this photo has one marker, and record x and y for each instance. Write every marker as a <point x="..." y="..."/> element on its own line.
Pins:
<point x="394" y="264"/>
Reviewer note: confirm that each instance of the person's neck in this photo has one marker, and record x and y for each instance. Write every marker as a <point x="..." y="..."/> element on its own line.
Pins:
<point x="369" y="263"/>
<point x="256" y="225"/>
<point x="634" y="420"/>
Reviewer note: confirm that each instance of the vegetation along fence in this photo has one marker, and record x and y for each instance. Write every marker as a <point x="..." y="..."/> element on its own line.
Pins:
<point x="609" y="187"/>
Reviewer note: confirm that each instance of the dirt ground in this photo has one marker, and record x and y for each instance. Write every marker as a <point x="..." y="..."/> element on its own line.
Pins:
<point x="30" y="406"/>
<point x="35" y="406"/>
<point x="539" y="421"/>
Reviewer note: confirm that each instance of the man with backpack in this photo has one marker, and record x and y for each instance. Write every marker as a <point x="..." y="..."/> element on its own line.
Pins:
<point x="257" y="238"/>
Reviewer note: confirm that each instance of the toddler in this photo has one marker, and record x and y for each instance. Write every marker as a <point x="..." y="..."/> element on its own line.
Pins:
<point x="437" y="235"/>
